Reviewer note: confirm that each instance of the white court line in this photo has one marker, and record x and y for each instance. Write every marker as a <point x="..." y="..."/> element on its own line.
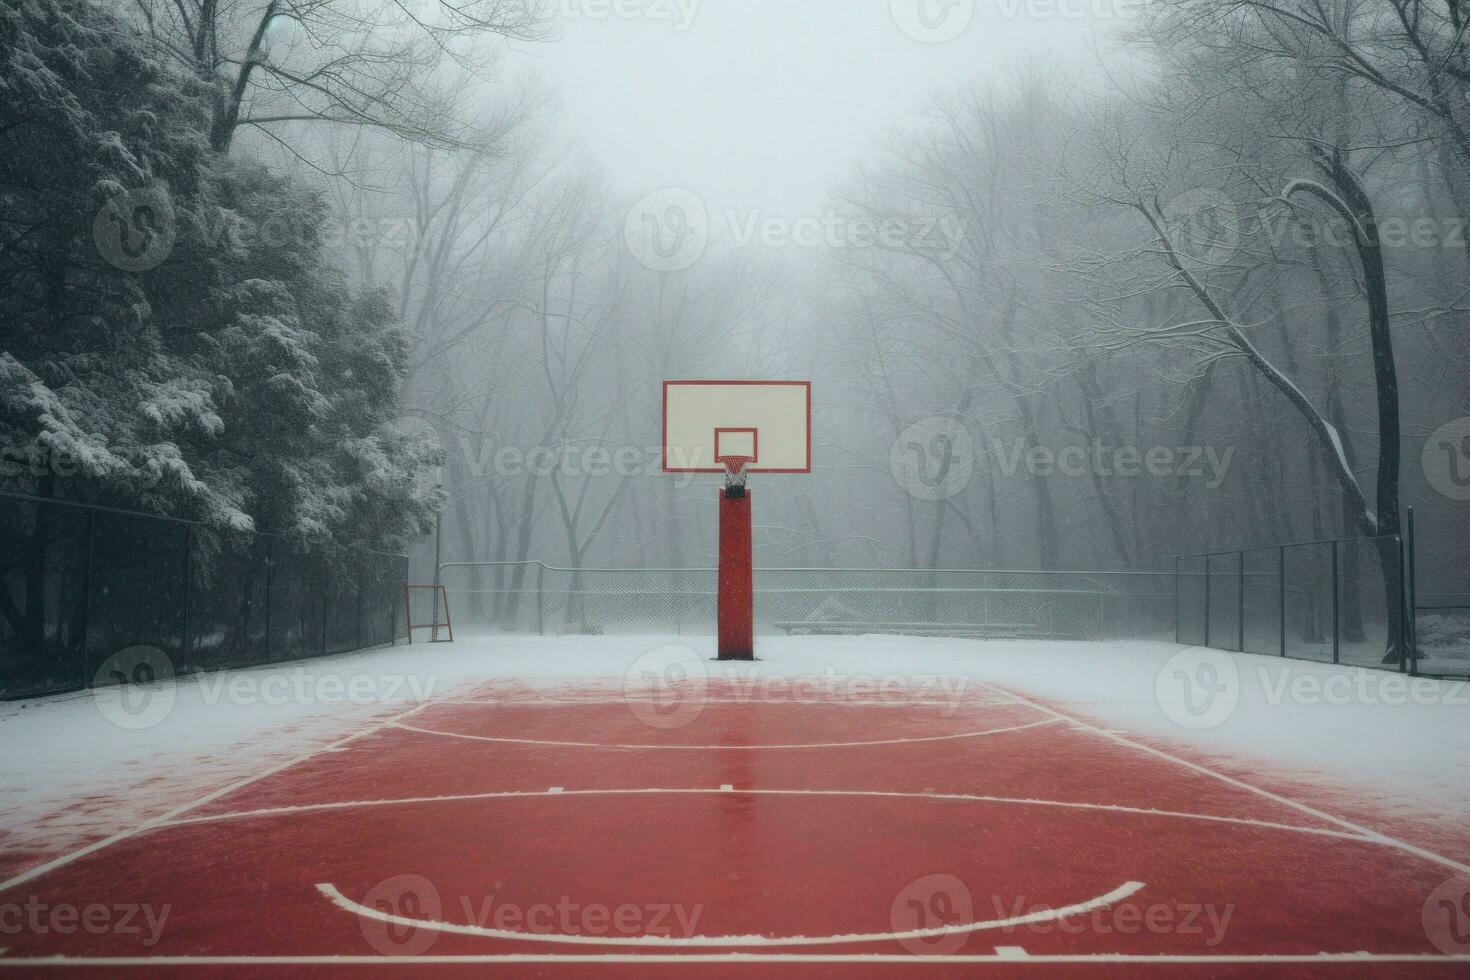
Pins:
<point x="1367" y="833"/>
<point x="287" y="811"/>
<point x="163" y="818"/>
<point x="753" y="699"/>
<point x="736" y="959"/>
<point x="707" y="748"/>
<point x="463" y="929"/>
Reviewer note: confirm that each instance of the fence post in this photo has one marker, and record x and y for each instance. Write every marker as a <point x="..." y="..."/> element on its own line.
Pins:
<point x="326" y="599"/>
<point x="1281" y="595"/>
<point x="540" y="599"/>
<point x="1413" y="603"/>
<point x="1336" y="631"/>
<point x="1240" y="604"/>
<point x="87" y="668"/>
<point x="1176" y="600"/>
<point x="1401" y="643"/>
<point x="1208" y="565"/>
<point x="188" y="587"/>
<point x="270" y="591"/>
<point x="361" y="588"/>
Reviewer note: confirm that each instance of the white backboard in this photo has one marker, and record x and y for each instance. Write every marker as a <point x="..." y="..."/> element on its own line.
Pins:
<point x="770" y="421"/>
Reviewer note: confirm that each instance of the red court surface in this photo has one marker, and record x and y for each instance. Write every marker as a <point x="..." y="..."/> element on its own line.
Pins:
<point x="580" y="831"/>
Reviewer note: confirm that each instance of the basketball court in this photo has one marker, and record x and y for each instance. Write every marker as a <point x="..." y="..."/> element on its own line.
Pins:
<point x="788" y="816"/>
<point x="741" y="820"/>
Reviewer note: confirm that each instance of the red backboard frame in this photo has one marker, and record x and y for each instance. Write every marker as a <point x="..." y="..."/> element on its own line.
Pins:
<point x="754" y="467"/>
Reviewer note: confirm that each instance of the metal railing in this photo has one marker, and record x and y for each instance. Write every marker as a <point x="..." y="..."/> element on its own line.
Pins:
<point x="79" y="583"/>
<point x="1337" y="601"/>
<point x="539" y="598"/>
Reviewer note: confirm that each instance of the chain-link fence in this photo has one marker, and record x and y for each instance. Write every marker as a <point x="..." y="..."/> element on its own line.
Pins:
<point x="1329" y="601"/>
<point x="538" y="598"/>
<point x="1440" y="587"/>
<point x="79" y="584"/>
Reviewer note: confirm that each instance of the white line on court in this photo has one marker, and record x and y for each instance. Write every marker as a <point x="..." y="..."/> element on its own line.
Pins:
<point x="397" y="962"/>
<point x="1366" y="833"/>
<point x="754" y="699"/>
<point x="163" y="818"/>
<point x="463" y="929"/>
<point x="287" y="811"/>
<point x="707" y="748"/>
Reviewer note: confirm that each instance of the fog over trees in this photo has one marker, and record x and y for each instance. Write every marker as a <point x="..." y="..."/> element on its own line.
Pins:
<point x="1205" y="288"/>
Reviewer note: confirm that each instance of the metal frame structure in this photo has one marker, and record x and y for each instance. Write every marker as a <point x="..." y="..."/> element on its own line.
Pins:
<point x="1402" y="622"/>
<point x="438" y="593"/>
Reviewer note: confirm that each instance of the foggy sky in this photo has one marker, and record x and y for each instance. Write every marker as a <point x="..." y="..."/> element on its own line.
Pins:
<point x="762" y="104"/>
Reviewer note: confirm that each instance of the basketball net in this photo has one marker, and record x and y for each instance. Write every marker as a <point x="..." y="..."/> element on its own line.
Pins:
<point x="735" y="474"/>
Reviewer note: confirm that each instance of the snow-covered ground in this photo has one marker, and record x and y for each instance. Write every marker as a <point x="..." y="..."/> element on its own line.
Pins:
<point x="82" y="766"/>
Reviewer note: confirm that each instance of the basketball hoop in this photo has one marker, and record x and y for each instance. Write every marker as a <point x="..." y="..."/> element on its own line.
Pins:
<point x="735" y="474"/>
<point x="737" y="428"/>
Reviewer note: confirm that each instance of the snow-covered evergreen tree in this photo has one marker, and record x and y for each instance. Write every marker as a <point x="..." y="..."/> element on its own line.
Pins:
<point x="172" y="337"/>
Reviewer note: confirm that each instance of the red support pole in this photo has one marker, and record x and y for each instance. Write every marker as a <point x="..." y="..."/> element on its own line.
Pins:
<point x="736" y="612"/>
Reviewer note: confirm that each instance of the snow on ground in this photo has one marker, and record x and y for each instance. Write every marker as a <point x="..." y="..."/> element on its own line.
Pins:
<point x="81" y="766"/>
